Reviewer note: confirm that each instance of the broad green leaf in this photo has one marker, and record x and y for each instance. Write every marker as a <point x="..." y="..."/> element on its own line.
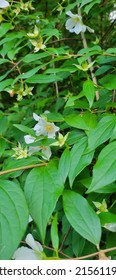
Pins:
<point x="4" y="27"/>
<point x="13" y="218"/>
<point x="84" y="2"/>
<point x="104" y="171"/>
<point x="54" y="233"/>
<point x="64" y="164"/>
<point x="5" y="83"/>
<point x="80" y="163"/>
<point x="43" y="79"/>
<point x="109" y="81"/>
<point x="107" y="218"/>
<point x="103" y="69"/>
<point x="84" y="121"/>
<point x="55" y="117"/>
<point x="2" y="146"/>
<point x="78" y="243"/>
<point x="3" y="60"/>
<point x="25" y="129"/>
<point x="78" y="159"/>
<point x="42" y="189"/>
<point x="89" y="92"/>
<point x="89" y="6"/>
<point x="3" y="124"/>
<point x="102" y="132"/>
<point x="35" y="57"/>
<point x="81" y="216"/>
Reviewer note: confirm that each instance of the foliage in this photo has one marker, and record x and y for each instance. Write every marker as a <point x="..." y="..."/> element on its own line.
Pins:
<point x="57" y="127"/>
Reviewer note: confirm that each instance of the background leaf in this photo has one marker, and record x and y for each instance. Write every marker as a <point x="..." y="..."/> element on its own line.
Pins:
<point x="42" y="189"/>
<point x="104" y="171"/>
<point x="13" y="218"/>
<point x="81" y="216"/>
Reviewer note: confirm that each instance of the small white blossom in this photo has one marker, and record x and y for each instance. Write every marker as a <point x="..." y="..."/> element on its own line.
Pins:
<point x="24" y="253"/>
<point x="3" y="4"/>
<point x="46" y="151"/>
<point x="45" y="128"/>
<point x="75" y="24"/>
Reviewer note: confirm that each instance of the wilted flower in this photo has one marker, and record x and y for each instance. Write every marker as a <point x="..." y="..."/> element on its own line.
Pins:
<point x="34" y="34"/>
<point x="84" y="66"/>
<point x="61" y="140"/>
<point x="3" y="4"/>
<point x="75" y="24"/>
<point x="20" y="152"/>
<point x="25" y="253"/>
<point x="43" y="127"/>
<point x="38" y="44"/>
<point x="26" y="6"/>
<point x="102" y="207"/>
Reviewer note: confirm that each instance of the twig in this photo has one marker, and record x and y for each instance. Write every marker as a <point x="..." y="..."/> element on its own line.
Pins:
<point x="95" y="254"/>
<point x="64" y="239"/>
<point x="22" y="168"/>
<point x="89" y="59"/>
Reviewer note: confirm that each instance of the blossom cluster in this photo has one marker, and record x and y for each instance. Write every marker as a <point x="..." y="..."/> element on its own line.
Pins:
<point x="43" y="129"/>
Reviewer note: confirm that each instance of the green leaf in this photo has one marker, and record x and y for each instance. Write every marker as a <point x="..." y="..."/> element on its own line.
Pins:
<point x="88" y="88"/>
<point x="104" y="171"/>
<point x="4" y="27"/>
<point x="79" y="162"/>
<point x="78" y="243"/>
<point x="13" y="218"/>
<point x="25" y="129"/>
<point x="5" y="83"/>
<point x="107" y="217"/>
<point x="54" y="233"/>
<point x="35" y="57"/>
<point x="84" y="2"/>
<point x="64" y="164"/>
<point x="102" y="132"/>
<point x="108" y="81"/>
<point x="76" y="163"/>
<point x="2" y="146"/>
<point x="81" y="216"/>
<point x="3" y="124"/>
<point x="42" y="189"/>
<point x="43" y="79"/>
<point x="84" y="121"/>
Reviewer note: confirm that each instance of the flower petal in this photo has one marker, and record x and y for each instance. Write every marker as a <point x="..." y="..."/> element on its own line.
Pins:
<point x="36" y="117"/>
<point x="24" y="253"/>
<point x="32" y="243"/>
<point x="89" y="29"/>
<point x="4" y="4"/>
<point x="29" y="139"/>
<point x="69" y="24"/>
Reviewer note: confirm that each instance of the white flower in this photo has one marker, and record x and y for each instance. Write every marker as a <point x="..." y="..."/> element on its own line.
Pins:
<point x="3" y="4"/>
<point x="25" y="253"/>
<point x="46" y="151"/>
<point x="45" y="128"/>
<point x="75" y="24"/>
